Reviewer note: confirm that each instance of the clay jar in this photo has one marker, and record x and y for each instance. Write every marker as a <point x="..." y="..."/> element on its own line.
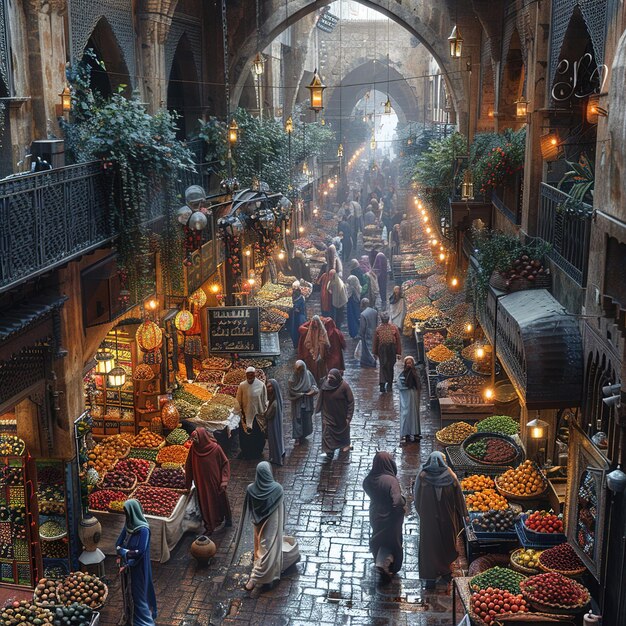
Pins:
<point x="202" y="549"/>
<point x="89" y="532"/>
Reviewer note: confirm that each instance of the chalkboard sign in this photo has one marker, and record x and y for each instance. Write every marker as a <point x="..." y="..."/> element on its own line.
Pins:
<point x="234" y="329"/>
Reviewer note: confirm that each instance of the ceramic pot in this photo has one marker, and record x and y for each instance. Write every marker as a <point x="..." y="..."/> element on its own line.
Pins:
<point x="90" y="532"/>
<point x="202" y="549"/>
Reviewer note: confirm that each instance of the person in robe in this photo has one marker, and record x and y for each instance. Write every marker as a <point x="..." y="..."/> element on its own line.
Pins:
<point x="394" y="241"/>
<point x="297" y="316"/>
<point x="410" y="389"/>
<point x="367" y="326"/>
<point x="208" y="467"/>
<point x="386" y="515"/>
<point x="353" y="307"/>
<point x="336" y="404"/>
<point x="265" y="506"/>
<point x="347" y="239"/>
<point x="441" y="508"/>
<point x="339" y="298"/>
<point x="326" y="297"/>
<point x="334" y="355"/>
<point x="313" y="346"/>
<point x="252" y="401"/>
<point x="397" y="307"/>
<point x="380" y="268"/>
<point x="388" y="349"/>
<point x="355" y="270"/>
<point x="369" y="219"/>
<point x="370" y="289"/>
<point x="333" y="262"/>
<point x="299" y="267"/>
<point x="302" y="392"/>
<point x="133" y="548"/>
<point x="273" y="418"/>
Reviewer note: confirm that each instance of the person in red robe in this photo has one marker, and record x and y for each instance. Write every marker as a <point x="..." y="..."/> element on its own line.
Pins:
<point x="326" y="298"/>
<point x="209" y="468"/>
<point x="334" y="354"/>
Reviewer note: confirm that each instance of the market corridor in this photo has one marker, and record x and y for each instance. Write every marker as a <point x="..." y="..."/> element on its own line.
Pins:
<point x="327" y="510"/>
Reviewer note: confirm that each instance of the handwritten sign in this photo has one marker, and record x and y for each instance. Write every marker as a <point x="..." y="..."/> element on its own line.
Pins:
<point x="579" y="79"/>
<point x="234" y="329"/>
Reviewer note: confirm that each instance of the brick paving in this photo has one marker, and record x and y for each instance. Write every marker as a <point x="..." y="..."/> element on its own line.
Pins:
<point x="327" y="511"/>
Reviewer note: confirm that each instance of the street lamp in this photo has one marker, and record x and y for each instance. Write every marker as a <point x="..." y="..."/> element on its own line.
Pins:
<point x="257" y="64"/>
<point x="104" y="361"/>
<point x="340" y="151"/>
<point x="521" y="107"/>
<point x="66" y="99"/>
<point x="289" y="125"/>
<point x="456" y="43"/>
<point x="316" y="89"/>
<point x="467" y="187"/>
<point x="233" y="132"/>
<point x="388" y="107"/>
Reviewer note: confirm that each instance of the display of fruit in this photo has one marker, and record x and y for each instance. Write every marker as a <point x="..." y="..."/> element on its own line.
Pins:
<point x="451" y="367"/>
<point x="25" y="612"/>
<point x="256" y="363"/>
<point x="103" y="457"/>
<point x="224" y="400"/>
<point x="491" y="450"/>
<point x="51" y="529"/>
<point x="440" y="353"/>
<point x="11" y="476"/>
<point x="119" y="442"/>
<point x="485" y="500"/>
<point x="490" y="602"/>
<point x="561" y="558"/>
<point x="11" y="445"/>
<point x="82" y="588"/>
<point x="438" y="321"/>
<point x="216" y="363"/>
<point x="555" y="590"/>
<point x="526" y="557"/>
<point x="524" y="480"/>
<point x="156" y="500"/>
<point x="210" y="412"/>
<point x="46" y="593"/>
<point x="456" y="432"/>
<point x="100" y="500"/>
<point x="498" y="577"/>
<point x="453" y="343"/>
<point x="147" y="439"/>
<point x="198" y="391"/>
<point x="54" y="549"/>
<point x="469" y="352"/>
<point x="477" y="482"/>
<point x="523" y="267"/>
<point x="431" y="340"/>
<point x="171" y="478"/>
<point x="173" y="454"/>
<point x="424" y="313"/>
<point x="495" y="521"/>
<point x="73" y="615"/>
<point x="181" y="395"/>
<point x="544" y="522"/>
<point x="118" y="480"/>
<point x="177" y="436"/>
<point x="147" y="454"/>
<point x="501" y="424"/>
<point x="235" y="376"/>
<point x="140" y="468"/>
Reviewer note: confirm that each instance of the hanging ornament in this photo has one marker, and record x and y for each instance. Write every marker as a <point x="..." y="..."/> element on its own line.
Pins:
<point x="198" y="298"/>
<point x="149" y="336"/>
<point x="183" y="320"/>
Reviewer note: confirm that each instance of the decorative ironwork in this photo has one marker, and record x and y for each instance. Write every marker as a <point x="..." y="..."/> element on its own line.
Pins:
<point x="24" y="370"/>
<point x="190" y="29"/>
<point x="568" y="234"/>
<point x="513" y="216"/>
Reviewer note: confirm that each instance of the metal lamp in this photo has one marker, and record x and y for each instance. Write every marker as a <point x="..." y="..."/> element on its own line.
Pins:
<point x="521" y="107"/>
<point x="316" y="89"/>
<point x="104" y="361"/>
<point x="340" y="151"/>
<point x="66" y="99"/>
<point x="467" y="187"/>
<point x="233" y="132"/>
<point x="257" y="64"/>
<point x="388" y="107"/>
<point x="289" y="125"/>
<point x="537" y="428"/>
<point x="456" y="43"/>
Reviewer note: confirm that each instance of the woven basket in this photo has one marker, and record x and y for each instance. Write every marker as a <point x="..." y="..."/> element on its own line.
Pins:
<point x="101" y="485"/>
<point x="531" y="618"/>
<point x="542" y="281"/>
<point x="513" y="496"/>
<point x="574" y="573"/>
<point x="528" y="571"/>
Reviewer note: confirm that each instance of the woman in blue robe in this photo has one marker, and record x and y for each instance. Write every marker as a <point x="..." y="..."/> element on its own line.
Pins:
<point x="354" y="305"/>
<point x="133" y="547"/>
<point x="298" y="314"/>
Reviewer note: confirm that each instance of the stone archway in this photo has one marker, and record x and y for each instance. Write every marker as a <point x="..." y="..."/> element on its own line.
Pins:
<point x="429" y="23"/>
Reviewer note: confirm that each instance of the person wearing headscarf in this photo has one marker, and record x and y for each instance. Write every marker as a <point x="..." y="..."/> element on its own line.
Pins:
<point x="133" y="548"/>
<point x="297" y="315"/>
<point x="339" y="297"/>
<point x="334" y="355"/>
<point x="370" y="288"/>
<point x="441" y="508"/>
<point x="354" y="305"/>
<point x="208" y="467"/>
<point x="369" y="219"/>
<point x="302" y="391"/>
<point x="333" y="262"/>
<point x="394" y="241"/>
<point x="410" y="389"/>
<point x="273" y="418"/>
<point x="367" y="326"/>
<point x="264" y="504"/>
<point x="252" y="402"/>
<point x="380" y="268"/>
<point x="386" y="515"/>
<point x="336" y="404"/>
<point x="347" y="240"/>
<point x="355" y="270"/>
<point x="299" y="267"/>
<point x="313" y="346"/>
<point x="326" y="300"/>
<point x="388" y="349"/>
<point x="397" y="307"/>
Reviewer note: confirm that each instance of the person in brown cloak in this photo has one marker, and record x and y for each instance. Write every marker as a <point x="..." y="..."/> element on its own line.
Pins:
<point x="386" y="515"/>
<point x="209" y="468"/>
<point x="336" y="403"/>
<point x="440" y="505"/>
<point x="387" y="348"/>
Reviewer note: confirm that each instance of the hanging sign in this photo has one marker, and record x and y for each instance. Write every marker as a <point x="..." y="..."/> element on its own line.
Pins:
<point x="579" y="79"/>
<point x="234" y="329"/>
<point x="327" y="22"/>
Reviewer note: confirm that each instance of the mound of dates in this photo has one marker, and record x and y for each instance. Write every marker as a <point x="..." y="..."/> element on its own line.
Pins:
<point x="171" y="478"/>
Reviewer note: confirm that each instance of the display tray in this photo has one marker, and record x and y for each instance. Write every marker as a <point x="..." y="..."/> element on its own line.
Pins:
<point x="464" y="465"/>
<point x="485" y="534"/>
<point x="513" y="460"/>
<point x="534" y="542"/>
<point x="545" y="539"/>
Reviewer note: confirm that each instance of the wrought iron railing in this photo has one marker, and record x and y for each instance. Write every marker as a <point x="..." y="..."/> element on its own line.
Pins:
<point x="566" y="231"/>
<point x="513" y="216"/>
<point x="49" y="217"/>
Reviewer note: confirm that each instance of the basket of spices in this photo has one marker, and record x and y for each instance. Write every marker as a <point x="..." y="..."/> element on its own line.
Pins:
<point x="455" y="433"/>
<point x="451" y="368"/>
<point x="438" y="322"/>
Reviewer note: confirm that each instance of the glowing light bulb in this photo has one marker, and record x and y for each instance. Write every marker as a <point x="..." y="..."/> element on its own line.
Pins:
<point x="251" y="281"/>
<point x="480" y="353"/>
<point x="488" y="393"/>
<point x="442" y="256"/>
<point x="468" y="328"/>
<point x="454" y="282"/>
<point x="434" y="242"/>
<point x="425" y="219"/>
<point x="301" y="229"/>
<point x="287" y="231"/>
<point x="247" y="253"/>
<point x="429" y="230"/>
<point x="215" y="288"/>
<point x="281" y="255"/>
<point x="152" y="304"/>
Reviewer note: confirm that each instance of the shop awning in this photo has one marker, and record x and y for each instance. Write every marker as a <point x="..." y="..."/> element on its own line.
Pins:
<point x="540" y="347"/>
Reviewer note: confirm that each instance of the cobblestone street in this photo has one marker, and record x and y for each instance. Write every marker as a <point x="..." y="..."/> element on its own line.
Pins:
<point x="327" y="510"/>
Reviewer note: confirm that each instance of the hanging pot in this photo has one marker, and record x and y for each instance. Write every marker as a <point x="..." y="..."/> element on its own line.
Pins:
<point x="202" y="549"/>
<point x="149" y="336"/>
<point x="183" y="320"/>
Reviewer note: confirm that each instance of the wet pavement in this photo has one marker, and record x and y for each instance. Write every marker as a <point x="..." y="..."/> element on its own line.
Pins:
<point x="327" y="510"/>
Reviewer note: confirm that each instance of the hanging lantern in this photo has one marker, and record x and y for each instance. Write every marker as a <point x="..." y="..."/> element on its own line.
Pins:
<point x="373" y="142"/>
<point x="340" y="151"/>
<point x="257" y="64"/>
<point x="66" y="99"/>
<point x="198" y="298"/>
<point x="197" y="221"/>
<point x="183" y="320"/>
<point x="289" y="125"/>
<point x="388" y="107"/>
<point x="467" y="187"/>
<point x="233" y="132"/>
<point x="170" y="416"/>
<point x="104" y="361"/>
<point x="549" y="144"/>
<point x="316" y="89"/>
<point x="521" y="107"/>
<point x="456" y="43"/>
<point x="594" y="110"/>
<point x="149" y="336"/>
<point x="116" y="377"/>
<point x="183" y="214"/>
<point x="195" y="196"/>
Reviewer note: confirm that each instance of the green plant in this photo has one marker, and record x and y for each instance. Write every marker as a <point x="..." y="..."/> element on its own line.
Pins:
<point x="579" y="179"/>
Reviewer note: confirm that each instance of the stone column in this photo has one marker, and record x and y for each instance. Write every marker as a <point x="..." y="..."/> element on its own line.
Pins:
<point x="153" y="28"/>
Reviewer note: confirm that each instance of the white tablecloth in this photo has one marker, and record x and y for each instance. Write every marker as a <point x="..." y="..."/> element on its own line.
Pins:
<point x="165" y="533"/>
